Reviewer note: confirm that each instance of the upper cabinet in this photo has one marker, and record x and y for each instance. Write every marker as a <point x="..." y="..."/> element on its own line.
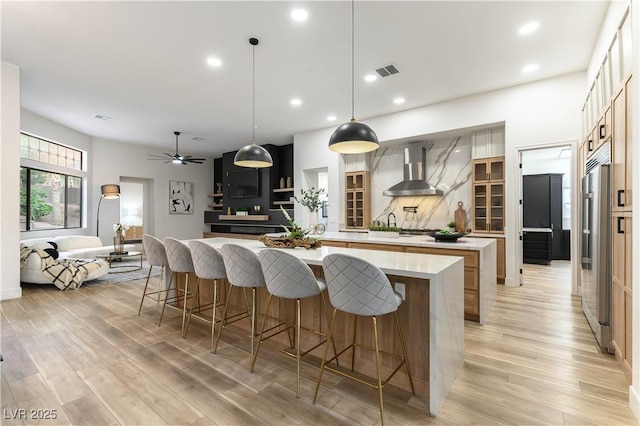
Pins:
<point x="621" y="148"/>
<point x="615" y="69"/>
<point x="357" y="205"/>
<point x="488" y="212"/>
<point x="487" y="143"/>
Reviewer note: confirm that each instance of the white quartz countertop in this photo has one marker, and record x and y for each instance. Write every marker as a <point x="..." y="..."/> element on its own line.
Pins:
<point x="464" y="243"/>
<point x="423" y="266"/>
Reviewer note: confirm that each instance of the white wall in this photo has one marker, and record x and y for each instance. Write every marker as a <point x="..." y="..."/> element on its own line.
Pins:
<point x="543" y="112"/>
<point x="10" y="183"/>
<point x="113" y="160"/>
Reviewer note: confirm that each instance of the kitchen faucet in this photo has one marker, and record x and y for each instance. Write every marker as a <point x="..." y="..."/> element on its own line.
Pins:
<point x="389" y="219"/>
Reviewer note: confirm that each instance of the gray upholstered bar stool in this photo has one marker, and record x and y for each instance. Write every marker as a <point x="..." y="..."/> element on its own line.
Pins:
<point x="243" y="270"/>
<point x="288" y="277"/>
<point x="357" y="287"/>
<point x="156" y="256"/>
<point x="208" y="265"/>
<point x="179" y="257"/>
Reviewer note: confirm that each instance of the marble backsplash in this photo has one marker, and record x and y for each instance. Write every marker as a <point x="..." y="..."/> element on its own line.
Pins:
<point x="448" y="169"/>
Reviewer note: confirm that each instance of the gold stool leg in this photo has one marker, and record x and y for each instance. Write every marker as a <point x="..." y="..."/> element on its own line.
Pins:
<point x="144" y="292"/>
<point x="404" y="351"/>
<point x="327" y="314"/>
<point x="195" y="296"/>
<point x="160" y="291"/>
<point x="253" y="317"/>
<point x="353" y="345"/>
<point x="213" y="312"/>
<point x="184" y="303"/>
<point x="264" y="323"/>
<point x="166" y="296"/>
<point x="324" y="356"/>
<point x="377" y="347"/>
<point x="297" y="348"/>
<point x="224" y="318"/>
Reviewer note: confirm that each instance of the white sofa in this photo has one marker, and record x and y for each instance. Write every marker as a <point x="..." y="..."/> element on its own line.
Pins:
<point x="69" y="247"/>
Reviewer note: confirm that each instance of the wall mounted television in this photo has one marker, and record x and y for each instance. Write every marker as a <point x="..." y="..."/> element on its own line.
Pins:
<point x="244" y="183"/>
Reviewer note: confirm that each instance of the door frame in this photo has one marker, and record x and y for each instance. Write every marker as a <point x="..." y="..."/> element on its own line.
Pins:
<point x="575" y="208"/>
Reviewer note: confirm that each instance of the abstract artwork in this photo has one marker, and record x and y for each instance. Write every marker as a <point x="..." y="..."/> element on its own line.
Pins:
<point x="180" y="197"/>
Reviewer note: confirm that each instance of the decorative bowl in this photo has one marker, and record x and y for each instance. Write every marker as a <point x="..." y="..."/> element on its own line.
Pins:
<point x="450" y="238"/>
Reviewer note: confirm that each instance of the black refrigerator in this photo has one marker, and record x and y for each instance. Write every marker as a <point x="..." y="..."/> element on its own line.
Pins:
<point x="542" y="218"/>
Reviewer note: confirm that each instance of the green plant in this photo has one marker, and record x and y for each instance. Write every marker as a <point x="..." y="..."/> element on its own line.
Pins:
<point x="242" y="209"/>
<point x="443" y="232"/>
<point x="451" y="224"/>
<point x="383" y="228"/>
<point x="295" y="231"/>
<point x="39" y="206"/>
<point x="310" y="198"/>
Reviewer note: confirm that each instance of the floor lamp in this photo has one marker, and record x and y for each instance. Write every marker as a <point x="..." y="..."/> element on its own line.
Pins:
<point x="109" y="191"/>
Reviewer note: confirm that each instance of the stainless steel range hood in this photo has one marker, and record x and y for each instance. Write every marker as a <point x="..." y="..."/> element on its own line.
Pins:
<point x="414" y="183"/>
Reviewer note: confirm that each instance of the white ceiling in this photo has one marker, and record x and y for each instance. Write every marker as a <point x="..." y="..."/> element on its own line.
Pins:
<point x="143" y="63"/>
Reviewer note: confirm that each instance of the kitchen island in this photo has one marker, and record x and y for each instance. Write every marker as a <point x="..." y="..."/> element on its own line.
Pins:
<point x="431" y="315"/>
<point x="479" y="255"/>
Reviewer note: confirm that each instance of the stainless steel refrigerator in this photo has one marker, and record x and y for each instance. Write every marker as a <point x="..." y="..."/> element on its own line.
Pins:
<point x="596" y="247"/>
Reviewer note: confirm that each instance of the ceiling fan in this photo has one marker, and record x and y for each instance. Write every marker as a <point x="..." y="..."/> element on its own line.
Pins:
<point x="177" y="158"/>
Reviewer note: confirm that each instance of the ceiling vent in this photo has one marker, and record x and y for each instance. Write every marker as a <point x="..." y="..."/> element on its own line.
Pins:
<point x="388" y="70"/>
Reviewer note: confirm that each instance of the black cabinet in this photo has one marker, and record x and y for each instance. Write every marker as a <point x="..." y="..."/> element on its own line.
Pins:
<point x="542" y="208"/>
<point x="536" y="247"/>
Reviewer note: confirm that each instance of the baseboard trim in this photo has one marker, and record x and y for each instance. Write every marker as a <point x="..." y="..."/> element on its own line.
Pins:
<point x="634" y="403"/>
<point x="13" y="293"/>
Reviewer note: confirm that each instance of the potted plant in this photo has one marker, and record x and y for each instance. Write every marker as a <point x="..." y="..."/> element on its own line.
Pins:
<point x="384" y="231"/>
<point x="242" y="211"/>
<point x="310" y="198"/>
<point x="452" y="226"/>
<point x="296" y="236"/>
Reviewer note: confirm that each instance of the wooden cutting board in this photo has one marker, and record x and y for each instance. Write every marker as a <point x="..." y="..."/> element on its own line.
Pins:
<point x="461" y="218"/>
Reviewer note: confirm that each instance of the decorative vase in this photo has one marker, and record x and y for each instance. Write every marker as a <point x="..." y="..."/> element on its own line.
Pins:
<point x="118" y="243"/>
<point x="289" y="182"/>
<point x="281" y="183"/>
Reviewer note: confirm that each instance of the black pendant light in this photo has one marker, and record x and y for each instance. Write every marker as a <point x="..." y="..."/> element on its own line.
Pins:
<point x="353" y="137"/>
<point x="253" y="155"/>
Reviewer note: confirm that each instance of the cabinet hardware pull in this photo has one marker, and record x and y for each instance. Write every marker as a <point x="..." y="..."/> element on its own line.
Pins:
<point x="620" y="192"/>
<point x="620" y="230"/>
<point x="602" y="131"/>
<point x="590" y="145"/>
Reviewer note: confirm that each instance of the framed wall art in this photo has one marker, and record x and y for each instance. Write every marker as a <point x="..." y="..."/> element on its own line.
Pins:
<point x="180" y="197"/>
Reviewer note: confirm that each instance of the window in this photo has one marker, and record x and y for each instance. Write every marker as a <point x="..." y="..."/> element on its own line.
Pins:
<point x="49" y="152"/>
<point x="49" y="200"/>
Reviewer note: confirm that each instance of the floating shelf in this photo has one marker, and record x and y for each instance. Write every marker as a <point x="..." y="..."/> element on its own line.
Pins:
<point x="249" y="217"/>
<point x="215" y="206"/>
<point x="217" y="194"/>
<point x="283" y="190"/>
<point x="282" y="203"/>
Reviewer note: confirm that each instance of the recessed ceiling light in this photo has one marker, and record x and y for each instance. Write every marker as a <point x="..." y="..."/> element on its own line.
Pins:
<point x="299" y="15"/>
<point x="456" y="150"/>
<point x="197" y="139"/>
<point x="530" y="68"/>
<point x="529" y="27"/>
<point x="398" y="101"/>
<point x="102" y="117"/>
<point x="331" y="118"/>
<point x="214" y="62"/>
<point x="370" y="77"/>
<point x="296" y="102"/>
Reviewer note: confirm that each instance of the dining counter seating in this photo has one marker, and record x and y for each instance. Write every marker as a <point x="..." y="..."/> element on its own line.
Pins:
<point x="360" y="288"/>
<point x="156" y="256"/>
<point x="243" y="270"/>
<point x="288" y="277"/>
<point x="208" y="265"/>
<point x="179" y="257"/>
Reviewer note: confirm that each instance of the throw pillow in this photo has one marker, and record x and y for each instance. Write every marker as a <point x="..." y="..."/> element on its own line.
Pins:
<point x="52" y="252"/>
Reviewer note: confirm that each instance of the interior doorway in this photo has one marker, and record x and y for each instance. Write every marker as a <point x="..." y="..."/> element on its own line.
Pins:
<point x="134" y="200"/>
<point x="548" y="229"/>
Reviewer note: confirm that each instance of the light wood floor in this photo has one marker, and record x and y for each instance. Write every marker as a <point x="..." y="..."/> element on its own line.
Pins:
<point x="88" y="356"/>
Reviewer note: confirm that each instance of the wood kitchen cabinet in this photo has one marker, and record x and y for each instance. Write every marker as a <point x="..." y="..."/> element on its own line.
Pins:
<point x="622" y="291"/>
<point x="357" y="204"/>
<point x="488" y="212"/>
<point x="621" y="226"/>
<point x="621" y="149"/>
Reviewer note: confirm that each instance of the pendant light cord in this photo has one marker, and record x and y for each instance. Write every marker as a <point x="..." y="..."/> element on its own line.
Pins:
<point x="253" y="102"/>
<point x="353" y="78"/>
